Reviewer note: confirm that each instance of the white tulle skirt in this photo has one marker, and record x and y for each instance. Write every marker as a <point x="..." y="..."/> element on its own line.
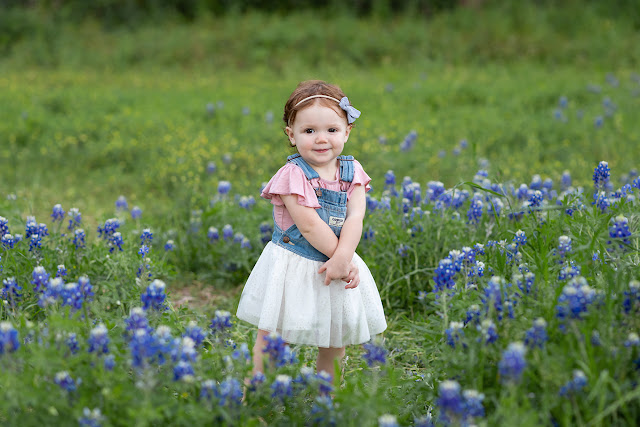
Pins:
<point x="285" y="294"/>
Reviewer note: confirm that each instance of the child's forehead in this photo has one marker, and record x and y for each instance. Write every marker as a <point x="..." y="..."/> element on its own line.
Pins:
<point x="310" y="111"/>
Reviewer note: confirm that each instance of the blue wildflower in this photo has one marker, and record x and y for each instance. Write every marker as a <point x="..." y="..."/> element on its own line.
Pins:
<point x="449" y="401"/>
<point x="455" y="333"/>
<point x="79" y="238"/>
<point x="146" y="237"/>
<point x="475" y="210"/>
<point x="575" y="299"/>
<point x="40" y="278"/>
<point x="71" y="295"/>
<point x="281" y="387"/>
<point x="196" y="333"/>
<point x="564" y="248"/>
<point x="99" y="340"/>
<point x="536" y="336"/>
<point x="52" y="291"/>
<point x="569" y="271"/>
<point x="472" y="405"/>
<point x="619" y="231"/>
<point x="91" y="418"/>
<point x="279" y="352"/>
<point x="601" y="175"/>
<point x="85" y="287"/>
<point x="109" y="362"/>
<point x="322" y="411"/>
<point x="72" y="343"/>
<point x="520" y="239"/>
<point x="169" y="246"/>
<point x="61" y="271"/>
<point x="35" y="243"/>
<point x="183" y="371"/>
<point x="224" y="187"/>
<point x="227" y="232"/>
<point x="257" y="379"/>
<point x="229" y="392"/>
<point x="107" y="230"/>
<point x="388" y="420"/>
<point x="75" y="218"/>
<point x="221" y="324"/>
<point x="7" y="241"/>
<point x="473" y="314"/>
<point x="144" y="250"/>
<point x="4" y="226"/>
<point x="154" y="297"/>
<point x="535" y="199"/>
<point x="574" y="385"/>
<point x="136" y="213"/>
<point x="402" y="250"/>
<point x="631" y="302"/>
<point x="64" y="380"/>
<point x="512" y="363"/>
<point x="121" y="204"/>
<point x="633" y="340"/>
<point x="58" y="213"/>
<point x="31" y="227"/>
<point x="602" y="201"/>
<point x="9" y="340"/>
<point x="565" y="181"/>
<point x="375" y="353"/>
<point x="116" y="242"/>
<point x="488" y="331"/>
<point x="10" y="290"/>
<point x="137" y="320"/>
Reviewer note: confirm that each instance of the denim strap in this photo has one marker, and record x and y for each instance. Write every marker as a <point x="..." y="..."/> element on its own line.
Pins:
<point x="309" y="172"/>
<point x="346" y="168"/>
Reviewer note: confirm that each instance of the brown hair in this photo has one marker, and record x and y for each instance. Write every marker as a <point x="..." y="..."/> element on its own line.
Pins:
<point x="310" y="88"/>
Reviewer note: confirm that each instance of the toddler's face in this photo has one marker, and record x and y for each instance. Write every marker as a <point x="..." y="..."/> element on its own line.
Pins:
<point x="319" y="133"/>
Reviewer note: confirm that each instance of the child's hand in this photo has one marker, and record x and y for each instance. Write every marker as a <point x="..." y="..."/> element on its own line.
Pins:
<point x="337" y="268"/>
<point x="353" y="279"/>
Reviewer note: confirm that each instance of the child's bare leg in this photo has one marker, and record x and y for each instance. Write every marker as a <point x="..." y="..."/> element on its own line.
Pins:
<point x="258" y="364"/>
<point x="326" y="357"/>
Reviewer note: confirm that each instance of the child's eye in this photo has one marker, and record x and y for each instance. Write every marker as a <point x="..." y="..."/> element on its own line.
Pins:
<point x="309" y="130"/>
<point x="333" y="130"/>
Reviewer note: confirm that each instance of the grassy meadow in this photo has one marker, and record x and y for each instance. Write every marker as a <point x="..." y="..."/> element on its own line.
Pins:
<point x="506" y="305"/>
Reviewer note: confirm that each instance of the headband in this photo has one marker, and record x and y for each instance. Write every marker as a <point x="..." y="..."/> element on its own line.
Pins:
<point x="352" y="113"/>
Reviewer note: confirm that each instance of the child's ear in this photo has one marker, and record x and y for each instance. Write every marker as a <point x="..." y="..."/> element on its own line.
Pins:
<point x="348" y="131"/>
<point x="289" y="133"/>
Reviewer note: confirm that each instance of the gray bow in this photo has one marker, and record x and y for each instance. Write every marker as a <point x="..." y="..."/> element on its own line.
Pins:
<point x="352" y="113"/>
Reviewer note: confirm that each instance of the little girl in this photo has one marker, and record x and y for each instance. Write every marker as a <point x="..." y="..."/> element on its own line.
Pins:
<point x="297" y="287"/>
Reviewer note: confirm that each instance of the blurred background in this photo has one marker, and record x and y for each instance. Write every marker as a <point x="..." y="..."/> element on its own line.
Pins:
<point x="160" y="100"/>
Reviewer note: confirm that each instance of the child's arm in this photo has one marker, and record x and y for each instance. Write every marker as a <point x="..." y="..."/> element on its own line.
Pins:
<point x="313" y="228"/>
<point x="349" y="237"/>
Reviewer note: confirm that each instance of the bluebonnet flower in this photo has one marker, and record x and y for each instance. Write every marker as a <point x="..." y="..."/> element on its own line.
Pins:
<point x="238" y="237"/>
<point x="279" y="352"/>
<point x="229" y="392"/>
<point x="489" y="331"/>
<point x="535" y="199"/>
<point x="121" y="204"/>
<point x="522" y="192"/>
<point x="71" y="295"/>
<point x="473" y="314"/>
<point x="4" y="226"/>
<point x="241" y="353"/>
<point x="35" y="243"/>
<point x="574" y="385"/>
<point x="512" y="363"/>
<point x="454" y="333"/>
<point x="52" y="291"/>
<point x="444" y="275"/>
<point x="569" y="271"/>
<point x="146" y="237"/>
<point x="116" y="242"/>
<point x="619" y="231"/>
<point x="169" y="246"/>
<point x="196" y="333"/>
<point x="602" y="201"/>
<point x="85" y="287"/>
<point x="211" y="167"/>
<point x="91" y="418"/>
<point x="631" y="302"/>
<point x="575" y="299"/>
<point x="9" y="340"/>
<point x="143" y="251"/>
<point x="601" y="175"/>
<point x="595" y="338"/>
<point x="246" y="243"/>
<point x="224" y="187"/>
<point x="520" y="239"/>
<point x="247" y="202"/>
<point x="525" y="281"/>
<point x="31" y="227"/>
<point x="495" y="206"/>
<point x="72" y="343"/>
<point x="154" y="297"/>
<point x="227" y="232"/>
<point x="375" y="353"/>
<point x="633" y="340"/>
<point x="75" y="218"/>
<point x="387" y="420"/>
<point x="208" y="389"/>
<point x="64" y="380"/>
<point x="99" y="340"/>
<point x="598" y="121"/>
<point x="61" y="271"/>
<point x="409" y="141"/>
<point x="180" y="348"/>
<point x="7" y="241"/>
<point x="536" y="336"/>
<point x="136" y="213"/>
<point x="58" y="213"/>
<point x="143" y="348"/>
<point x="563" y="102"/>
<point x="449" y="400"/>
<point x="389" y="178"/>
<point x="402" y="250"/>
<point x="257" y="379"/>
<point x="10" y="290"/>
<point x="564" y="247"/>
<point x="40" y="278"/>
<point x="107" y="230"/>
<point x="424" y="420"/>
<point x="495" y="296"/>
<point x="321" y="411"/>
<point x="183" y="371"/>
<point x="137" y="320"/>
<point x="221" y="324"/>
<point x="79" y="238"/>
<point x="472" y="404"/>
<point x="475" y="210"/>
<point x="281" y="387"/>
<point x="536" y="182"/>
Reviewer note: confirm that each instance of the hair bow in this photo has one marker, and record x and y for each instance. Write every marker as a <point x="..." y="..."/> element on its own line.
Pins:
<point x="352" y="113"/>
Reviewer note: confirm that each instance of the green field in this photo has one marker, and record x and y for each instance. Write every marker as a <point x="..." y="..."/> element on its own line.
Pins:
<point x="88" y="114"/>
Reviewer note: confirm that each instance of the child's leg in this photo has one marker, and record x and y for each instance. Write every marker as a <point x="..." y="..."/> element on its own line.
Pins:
<point x="258" y="364"/>
<point x="326" y="357"/>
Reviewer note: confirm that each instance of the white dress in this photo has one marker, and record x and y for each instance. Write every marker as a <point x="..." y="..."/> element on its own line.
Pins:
<point x="285" y="294"/>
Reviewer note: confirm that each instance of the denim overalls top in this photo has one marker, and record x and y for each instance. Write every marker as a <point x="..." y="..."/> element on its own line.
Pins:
<point x="333" y="210"/>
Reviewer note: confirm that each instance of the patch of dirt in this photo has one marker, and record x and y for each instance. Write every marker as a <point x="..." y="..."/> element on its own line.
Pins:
<point x="198" y="295"/>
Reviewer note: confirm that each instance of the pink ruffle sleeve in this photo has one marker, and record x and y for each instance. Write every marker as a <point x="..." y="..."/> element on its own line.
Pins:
<point x="290" y="179"/>
<point x="359" y="177"/>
